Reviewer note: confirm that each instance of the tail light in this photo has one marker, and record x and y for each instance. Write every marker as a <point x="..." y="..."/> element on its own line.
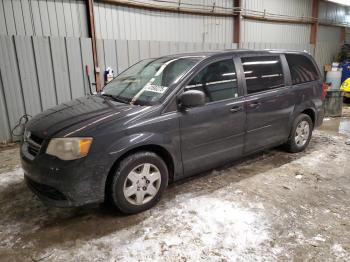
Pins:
<point x="324" y="90"/>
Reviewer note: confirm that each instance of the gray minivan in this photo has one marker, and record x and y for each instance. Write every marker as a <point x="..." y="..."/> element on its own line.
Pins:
<point x="167" y="118"/>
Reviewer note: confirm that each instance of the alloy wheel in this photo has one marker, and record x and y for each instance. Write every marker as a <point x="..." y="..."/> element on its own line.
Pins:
<point x="302" y="133"/>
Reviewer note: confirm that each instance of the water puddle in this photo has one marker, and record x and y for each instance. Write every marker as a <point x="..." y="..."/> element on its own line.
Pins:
<point x="340" y="125"/>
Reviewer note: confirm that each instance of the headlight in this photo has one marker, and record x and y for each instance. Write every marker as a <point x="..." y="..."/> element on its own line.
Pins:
<point x="69" y="148"/>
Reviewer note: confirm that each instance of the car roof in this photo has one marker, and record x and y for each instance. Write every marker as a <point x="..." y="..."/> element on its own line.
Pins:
<point x="218" y="53"/>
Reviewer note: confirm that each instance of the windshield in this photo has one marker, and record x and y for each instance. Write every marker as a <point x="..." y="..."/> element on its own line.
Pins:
<point x="148" y="80"/>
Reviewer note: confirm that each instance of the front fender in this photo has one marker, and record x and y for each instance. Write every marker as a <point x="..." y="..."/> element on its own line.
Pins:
<point x="141" y="140"/>
<point x="130" y="142"/>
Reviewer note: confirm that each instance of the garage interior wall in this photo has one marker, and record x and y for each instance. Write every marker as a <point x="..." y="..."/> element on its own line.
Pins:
<point x="120" y="22"/>
<point x="45" y="44"/>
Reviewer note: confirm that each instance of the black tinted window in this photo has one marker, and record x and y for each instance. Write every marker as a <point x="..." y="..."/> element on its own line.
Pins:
<point x="262" y="73"/>
<point x="301" y="69"/>
<point x="218" y="81"/>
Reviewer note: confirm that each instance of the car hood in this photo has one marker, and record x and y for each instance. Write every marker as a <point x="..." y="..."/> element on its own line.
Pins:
<point x="82" y="113"/>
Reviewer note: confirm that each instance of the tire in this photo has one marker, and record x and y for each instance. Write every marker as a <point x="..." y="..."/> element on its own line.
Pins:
<point x="132" y="189"/>
<point x="298" y="141"/>
<point x="346" y="100"/>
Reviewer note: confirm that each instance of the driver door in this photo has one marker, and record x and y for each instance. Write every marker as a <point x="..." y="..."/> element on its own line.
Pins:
<point x="213" y="133"/>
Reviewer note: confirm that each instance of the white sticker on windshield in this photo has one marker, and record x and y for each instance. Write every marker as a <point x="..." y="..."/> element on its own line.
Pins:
<point x="156" y="89"/>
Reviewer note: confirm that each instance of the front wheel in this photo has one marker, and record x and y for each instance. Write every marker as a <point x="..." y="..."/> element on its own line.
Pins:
<point x="138" y="182"/>
<point x="300" y="134"/>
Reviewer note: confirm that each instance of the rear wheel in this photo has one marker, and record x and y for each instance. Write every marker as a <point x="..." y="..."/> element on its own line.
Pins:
<point x="300" y="134"/>
<point x="138" y="182"/>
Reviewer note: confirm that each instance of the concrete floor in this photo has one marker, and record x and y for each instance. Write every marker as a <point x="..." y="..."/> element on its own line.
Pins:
<point x="270" y="206"/>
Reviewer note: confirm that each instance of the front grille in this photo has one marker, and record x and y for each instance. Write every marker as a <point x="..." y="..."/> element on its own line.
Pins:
<point x="45" y="190"/>
<point x="34" y="145"/>
<point x="36" y="139"/>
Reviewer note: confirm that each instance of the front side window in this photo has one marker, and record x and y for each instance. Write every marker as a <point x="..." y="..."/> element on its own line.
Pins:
<point x="262" y="73"/>
<point x="218" y="81"/>
<point x="301" y="68"/>
<point x="147" y="81"/>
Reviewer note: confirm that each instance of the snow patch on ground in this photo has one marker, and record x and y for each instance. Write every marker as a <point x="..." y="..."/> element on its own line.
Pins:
<point x="197" y="228"/>
<point x="319" y="238"/>
<point x="339" y="251"/>
<point x="10" y="230"/>
<point x="12" y="177"/>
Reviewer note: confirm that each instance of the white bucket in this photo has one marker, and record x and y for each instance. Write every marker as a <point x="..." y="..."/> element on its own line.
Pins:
<point x="334" y="78"/>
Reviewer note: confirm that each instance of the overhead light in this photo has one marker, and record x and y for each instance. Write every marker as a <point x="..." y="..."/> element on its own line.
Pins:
<point x="340" y="2"/>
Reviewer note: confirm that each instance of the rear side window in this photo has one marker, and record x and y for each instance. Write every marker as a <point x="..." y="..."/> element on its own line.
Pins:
<point x="262" y="73"/>
<point x="301" y="69"/>
<point x="218" y="81"/>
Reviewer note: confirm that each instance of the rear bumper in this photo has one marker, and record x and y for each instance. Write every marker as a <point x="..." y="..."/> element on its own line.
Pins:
<point x="319" y="116"/>
<point x="347" y="94"/>
<point x="63" y="183"/>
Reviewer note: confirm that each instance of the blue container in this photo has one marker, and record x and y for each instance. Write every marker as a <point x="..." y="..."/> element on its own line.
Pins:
<point x="346" y="71"/>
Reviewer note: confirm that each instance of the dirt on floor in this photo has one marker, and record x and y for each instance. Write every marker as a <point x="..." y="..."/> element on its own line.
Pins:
<point x="268" y="207"/>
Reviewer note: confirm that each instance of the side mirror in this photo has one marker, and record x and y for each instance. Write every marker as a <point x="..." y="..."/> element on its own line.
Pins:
<point x="191" y="98"/>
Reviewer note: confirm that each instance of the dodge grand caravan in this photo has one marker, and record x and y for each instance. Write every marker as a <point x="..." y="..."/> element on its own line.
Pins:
<point x="167" y="118"/>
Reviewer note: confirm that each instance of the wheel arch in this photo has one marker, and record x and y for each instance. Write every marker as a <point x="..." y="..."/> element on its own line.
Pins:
<point x="311" y="113"/>
<point x="308" y="110"/>
<point x="157" y="149"/>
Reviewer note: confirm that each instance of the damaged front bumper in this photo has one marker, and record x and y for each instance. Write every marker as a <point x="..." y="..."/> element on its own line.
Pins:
<point x="62" y="183"/>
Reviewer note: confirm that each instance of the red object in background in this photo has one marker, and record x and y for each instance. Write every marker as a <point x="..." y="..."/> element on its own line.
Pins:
<point x="324" y="90"/>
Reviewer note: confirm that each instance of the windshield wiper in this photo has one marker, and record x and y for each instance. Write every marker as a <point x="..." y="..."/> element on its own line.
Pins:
<point x="117" y="98"/>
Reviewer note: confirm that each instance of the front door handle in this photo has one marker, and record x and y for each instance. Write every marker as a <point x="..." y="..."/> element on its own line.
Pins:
<point x="254" y="104"/>
<point x="236" y="109"/>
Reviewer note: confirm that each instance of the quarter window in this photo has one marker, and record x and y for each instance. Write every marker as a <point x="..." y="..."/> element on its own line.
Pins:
<point x="301" y="69"/>
<point x="262" y="73"/>
<point x="218" y="81"/>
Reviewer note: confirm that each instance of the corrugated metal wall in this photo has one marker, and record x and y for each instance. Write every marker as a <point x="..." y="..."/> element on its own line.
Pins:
<point x="43" y="18"/>
<point x="328" y="34"/>
<point x="281" y="7"/>
<point x="258" y="31"/>
<point x="328" y="37"/>
<point x="37" y="73"/>
<point x="118" y="22"/>
<point x="330" y="12"/>
<point x="328" y="45"/>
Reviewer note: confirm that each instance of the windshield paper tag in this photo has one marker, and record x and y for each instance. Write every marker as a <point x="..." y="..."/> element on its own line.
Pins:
<point x="156" y="89"/>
